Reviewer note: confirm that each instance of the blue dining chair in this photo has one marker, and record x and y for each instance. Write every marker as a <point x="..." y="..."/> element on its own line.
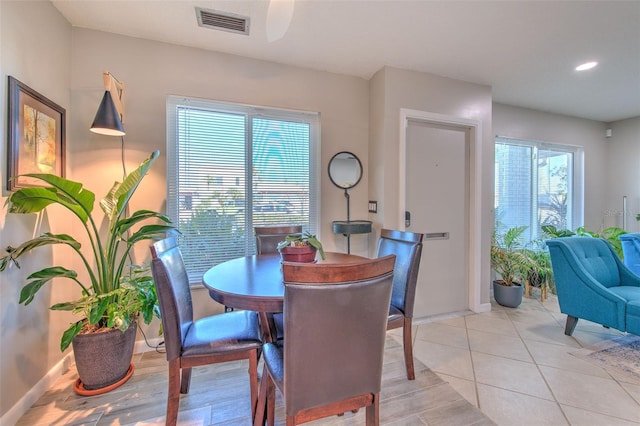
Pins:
<point x="321" y="372"/>
<point x="407" y="246"/>
<point x="193" y="342"/>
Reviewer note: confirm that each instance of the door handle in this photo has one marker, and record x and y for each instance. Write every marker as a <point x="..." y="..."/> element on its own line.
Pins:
<point x="407" y="219"/>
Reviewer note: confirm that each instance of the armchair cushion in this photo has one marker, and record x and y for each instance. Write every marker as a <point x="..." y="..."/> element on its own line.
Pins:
<point x="628" y="293"/>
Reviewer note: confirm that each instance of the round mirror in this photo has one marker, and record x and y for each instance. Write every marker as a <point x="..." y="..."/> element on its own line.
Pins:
<point x="345" y="170"/>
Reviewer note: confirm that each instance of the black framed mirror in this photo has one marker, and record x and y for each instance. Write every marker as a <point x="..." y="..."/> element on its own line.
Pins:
<point x="345" y="170"/>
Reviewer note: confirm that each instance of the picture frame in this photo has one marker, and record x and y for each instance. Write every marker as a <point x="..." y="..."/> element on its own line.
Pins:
<point x="36" y="130"/>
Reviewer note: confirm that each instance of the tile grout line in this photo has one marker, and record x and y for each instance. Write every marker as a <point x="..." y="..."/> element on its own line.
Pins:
<point x="473" y="367"/>
<point x="546" y="383"/>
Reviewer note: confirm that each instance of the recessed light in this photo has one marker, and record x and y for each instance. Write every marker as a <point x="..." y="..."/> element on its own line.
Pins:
<point x="586" y="66"/>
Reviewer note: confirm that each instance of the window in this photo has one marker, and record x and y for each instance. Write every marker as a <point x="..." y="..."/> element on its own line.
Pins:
<point x="537" y="184"/>
<point x="232" y="167"/>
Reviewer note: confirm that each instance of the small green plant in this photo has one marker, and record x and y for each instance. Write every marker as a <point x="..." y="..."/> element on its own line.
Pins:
<point x="304" y="239"/>
<point x="508" y="256"/>
<point x="539" y="272"/>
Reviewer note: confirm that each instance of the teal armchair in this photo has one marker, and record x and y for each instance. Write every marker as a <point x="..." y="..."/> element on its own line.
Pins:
<point x="593" y="284"/>
<point x="631" y="251"/>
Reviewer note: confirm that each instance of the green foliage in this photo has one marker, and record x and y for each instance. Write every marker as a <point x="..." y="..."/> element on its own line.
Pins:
<point x="305" y="238"/>
<point x="612" y="235"/>
<point x="118" y="292"/>
<point x="538" y="270"/>
<point x="551" y="231"/>
<point x="201" y="233"/>
<point x="508" y="257"/>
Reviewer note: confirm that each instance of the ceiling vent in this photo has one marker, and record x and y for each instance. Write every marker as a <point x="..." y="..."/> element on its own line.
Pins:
<point x="224" y="21"/>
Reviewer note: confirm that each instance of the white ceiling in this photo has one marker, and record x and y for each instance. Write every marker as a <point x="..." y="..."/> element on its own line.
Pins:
<point x="525" y="50"/>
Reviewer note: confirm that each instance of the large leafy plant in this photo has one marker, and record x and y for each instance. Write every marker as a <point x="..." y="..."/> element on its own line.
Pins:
<point x="116" y="291"/>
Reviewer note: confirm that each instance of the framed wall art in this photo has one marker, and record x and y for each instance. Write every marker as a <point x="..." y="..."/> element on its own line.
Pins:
<point x="36" y="136"/>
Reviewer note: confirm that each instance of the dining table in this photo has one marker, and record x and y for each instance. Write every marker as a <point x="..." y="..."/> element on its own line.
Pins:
<point x="255" y="283"/>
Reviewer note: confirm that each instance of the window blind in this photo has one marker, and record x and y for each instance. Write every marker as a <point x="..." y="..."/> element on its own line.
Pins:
<point x="232" y="167"/>
<point x="537" y="184"/>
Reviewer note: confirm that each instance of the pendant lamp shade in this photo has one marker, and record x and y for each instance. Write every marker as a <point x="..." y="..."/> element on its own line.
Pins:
<point x="107" y="120"/>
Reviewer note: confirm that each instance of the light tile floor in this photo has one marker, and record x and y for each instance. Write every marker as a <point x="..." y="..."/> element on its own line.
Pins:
<point x="516" y="366"/>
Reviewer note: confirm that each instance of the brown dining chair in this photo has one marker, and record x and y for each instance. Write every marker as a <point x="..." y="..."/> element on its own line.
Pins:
<point x="318" y="371"/>
<point x="407" y="246"/>
<point x="191" y="343"/>
<point x="268" y="237"/>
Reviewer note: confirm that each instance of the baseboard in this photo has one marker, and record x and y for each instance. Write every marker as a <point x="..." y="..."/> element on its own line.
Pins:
<point x="483" y="307"/>
<point x="441" y="317"/>
<point x="30" y="398"/>
<point x="148" y="345"/>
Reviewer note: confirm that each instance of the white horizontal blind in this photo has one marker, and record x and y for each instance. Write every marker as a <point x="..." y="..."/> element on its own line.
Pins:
<point x="232" y="167"/>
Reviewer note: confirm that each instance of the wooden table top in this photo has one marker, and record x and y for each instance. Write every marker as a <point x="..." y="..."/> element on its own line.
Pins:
<point x="255" y="282"/>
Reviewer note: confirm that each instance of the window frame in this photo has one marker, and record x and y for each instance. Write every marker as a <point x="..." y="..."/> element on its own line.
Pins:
<point x="577" y="176"/>
<point x="251" y="112"/>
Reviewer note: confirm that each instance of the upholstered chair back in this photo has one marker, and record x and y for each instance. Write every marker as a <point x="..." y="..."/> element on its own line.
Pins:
<point x="407" y="246"/>
<point x="335" y="322"/>
<point x="174" y="294"/>
<point x="268" y="237"/>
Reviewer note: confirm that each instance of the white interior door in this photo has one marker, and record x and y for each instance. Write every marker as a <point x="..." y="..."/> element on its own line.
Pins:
<point x="437" y="194"/>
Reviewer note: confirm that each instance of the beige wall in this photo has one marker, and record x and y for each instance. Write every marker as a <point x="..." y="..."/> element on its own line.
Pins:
<point x="393" y="89"/>
<point x="535" y="125"/>
<point x="36" y="49"/>
<point x="152" y="70"/>
<point x="623" y="173"/>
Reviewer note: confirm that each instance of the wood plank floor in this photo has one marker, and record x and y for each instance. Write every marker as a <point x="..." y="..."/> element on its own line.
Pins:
<point x="219" y="395"/>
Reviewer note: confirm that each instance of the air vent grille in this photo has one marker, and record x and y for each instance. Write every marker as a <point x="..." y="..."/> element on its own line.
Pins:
<point x="222" y="21"/>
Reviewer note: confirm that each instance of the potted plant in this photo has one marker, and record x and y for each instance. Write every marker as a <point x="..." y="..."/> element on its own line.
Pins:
<point x="113" y="292"/>
<point x="300" y="248"/>
<point x="508" y="260"/>
<point x="538" y="272"/>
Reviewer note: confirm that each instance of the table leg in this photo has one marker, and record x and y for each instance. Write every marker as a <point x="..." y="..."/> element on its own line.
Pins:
<point x="268" y="327"/>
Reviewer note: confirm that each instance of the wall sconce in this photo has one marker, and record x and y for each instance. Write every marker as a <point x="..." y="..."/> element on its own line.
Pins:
<point x="110" y="115"/>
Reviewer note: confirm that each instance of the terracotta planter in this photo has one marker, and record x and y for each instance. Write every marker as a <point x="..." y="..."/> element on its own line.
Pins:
<point x="303" y="254"/>
<point x="104" y="358"/>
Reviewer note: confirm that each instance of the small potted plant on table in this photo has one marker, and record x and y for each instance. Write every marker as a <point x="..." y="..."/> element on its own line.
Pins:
<point x="300" y="248"/>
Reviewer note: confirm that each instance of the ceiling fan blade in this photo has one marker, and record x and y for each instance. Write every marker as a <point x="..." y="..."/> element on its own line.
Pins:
<point x="279" y="16"/>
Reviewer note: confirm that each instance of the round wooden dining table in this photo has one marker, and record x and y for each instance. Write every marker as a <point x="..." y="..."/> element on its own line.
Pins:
<point x="255" y="283"/>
